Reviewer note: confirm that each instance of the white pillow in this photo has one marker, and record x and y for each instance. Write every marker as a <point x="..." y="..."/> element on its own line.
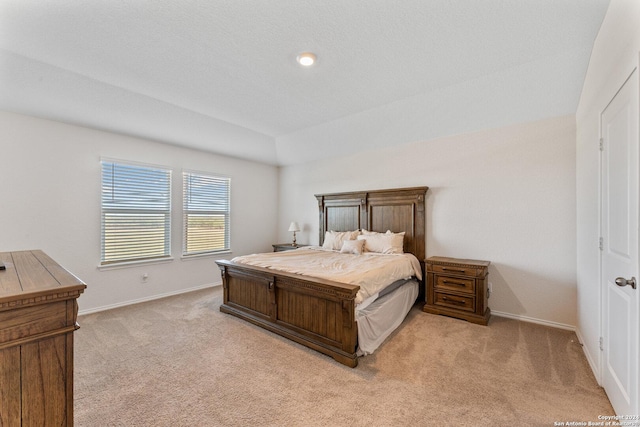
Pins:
<point x="333" y="239"/>
<point x="367" y="232"/>
<point x="353" y="247"/>
<point x="387" y="243"/>
<point x="397" y="242"/>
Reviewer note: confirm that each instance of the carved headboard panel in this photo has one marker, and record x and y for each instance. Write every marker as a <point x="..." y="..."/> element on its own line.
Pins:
<point x="341" y="212"/>
<point x="398" y="210"/>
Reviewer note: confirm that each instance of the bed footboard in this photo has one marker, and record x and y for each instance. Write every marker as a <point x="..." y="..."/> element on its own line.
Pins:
<point x="314" y="312"/>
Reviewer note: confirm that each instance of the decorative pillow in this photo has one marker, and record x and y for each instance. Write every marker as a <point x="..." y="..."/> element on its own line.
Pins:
<point x="384" y="243"/>
<point x="333" y="239"/>
<point x="353" y="247"/>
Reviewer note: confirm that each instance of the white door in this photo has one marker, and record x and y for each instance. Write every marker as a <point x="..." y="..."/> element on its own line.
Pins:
<point x="619" y="204"/>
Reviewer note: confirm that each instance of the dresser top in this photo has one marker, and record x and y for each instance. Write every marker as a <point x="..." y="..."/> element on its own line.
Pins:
<point x="446" y="260"/>
<point x="34" y="276"/>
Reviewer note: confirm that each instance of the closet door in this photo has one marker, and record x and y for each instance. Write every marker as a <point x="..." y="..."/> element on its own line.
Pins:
<point x="619" y="216"/>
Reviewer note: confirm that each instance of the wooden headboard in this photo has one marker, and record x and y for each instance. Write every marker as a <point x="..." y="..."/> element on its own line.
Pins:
<point x="400" y="209"/>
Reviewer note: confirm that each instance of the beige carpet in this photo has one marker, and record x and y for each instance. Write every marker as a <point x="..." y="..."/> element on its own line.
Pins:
<point x="180" y="362"/>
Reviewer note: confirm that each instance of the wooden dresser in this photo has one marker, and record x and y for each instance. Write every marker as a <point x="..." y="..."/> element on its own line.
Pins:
<point x="458" y="288"/>
<point x="38" y="312"/>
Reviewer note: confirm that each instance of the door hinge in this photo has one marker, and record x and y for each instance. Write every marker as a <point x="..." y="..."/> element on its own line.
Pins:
<point x="601" y="243"/>
<point x="601" y="344"/>
<point x="601" y="144"/>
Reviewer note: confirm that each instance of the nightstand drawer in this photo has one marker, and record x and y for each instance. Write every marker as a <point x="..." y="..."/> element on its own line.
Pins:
<point x="455" y="301"/>
<point x="464" y="271"/>
<point x="457" y="284"/>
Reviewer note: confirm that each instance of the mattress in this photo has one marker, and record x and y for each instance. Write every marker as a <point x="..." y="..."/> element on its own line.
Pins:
<point x="371" y="271"/>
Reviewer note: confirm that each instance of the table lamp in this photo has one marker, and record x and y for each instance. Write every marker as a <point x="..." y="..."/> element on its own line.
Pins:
<point x="294" y="227"/>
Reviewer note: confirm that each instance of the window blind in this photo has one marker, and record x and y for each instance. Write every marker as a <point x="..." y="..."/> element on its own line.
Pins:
<point x="206" y="213"/>
<point x="136" y="212"/>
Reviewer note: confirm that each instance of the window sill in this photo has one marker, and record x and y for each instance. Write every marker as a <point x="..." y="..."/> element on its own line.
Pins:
<point x="128" y="264"/>
<point x="205" y="255"/>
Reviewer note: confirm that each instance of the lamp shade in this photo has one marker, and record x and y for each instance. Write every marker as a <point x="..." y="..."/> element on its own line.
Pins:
<point x="294" y="226"/>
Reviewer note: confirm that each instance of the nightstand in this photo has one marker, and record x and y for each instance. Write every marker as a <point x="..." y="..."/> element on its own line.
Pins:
<point x="279" y="247"/>
<point x="458" y="288"/>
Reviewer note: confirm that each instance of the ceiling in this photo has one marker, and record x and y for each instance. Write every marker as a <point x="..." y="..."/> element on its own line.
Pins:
<point x="221" y="75"/>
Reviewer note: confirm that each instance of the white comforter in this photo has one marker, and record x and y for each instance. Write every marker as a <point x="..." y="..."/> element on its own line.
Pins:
<point x="371" y="271"/>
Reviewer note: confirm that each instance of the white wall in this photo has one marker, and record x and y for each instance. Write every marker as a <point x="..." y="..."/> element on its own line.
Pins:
<point x="615" y="54"/>
<point x="50" y="200"/>
<point x="505" y="195"/>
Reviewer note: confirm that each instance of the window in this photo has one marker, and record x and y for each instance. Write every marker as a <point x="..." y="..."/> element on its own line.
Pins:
<point x="136" y="212"/>
<point x="206" y="213"/>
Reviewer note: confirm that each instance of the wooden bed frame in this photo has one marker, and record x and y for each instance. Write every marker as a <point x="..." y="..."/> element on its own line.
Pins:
<point x="319" y="313"/>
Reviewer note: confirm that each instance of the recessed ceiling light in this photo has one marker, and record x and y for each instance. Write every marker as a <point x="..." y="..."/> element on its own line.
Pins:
<point x="306" y="59"/>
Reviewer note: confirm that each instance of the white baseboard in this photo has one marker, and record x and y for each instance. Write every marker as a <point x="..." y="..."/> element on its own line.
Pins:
<point x="534" y="320"/>
<point x="592" y="363"/>
<point x="149" y="298"/>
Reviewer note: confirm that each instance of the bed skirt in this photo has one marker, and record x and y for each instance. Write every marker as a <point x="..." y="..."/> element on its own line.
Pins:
<point x="379" y="319"/>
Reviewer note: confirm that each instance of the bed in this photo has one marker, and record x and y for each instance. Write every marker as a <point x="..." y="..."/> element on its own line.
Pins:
<point x="321" y="313"/>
